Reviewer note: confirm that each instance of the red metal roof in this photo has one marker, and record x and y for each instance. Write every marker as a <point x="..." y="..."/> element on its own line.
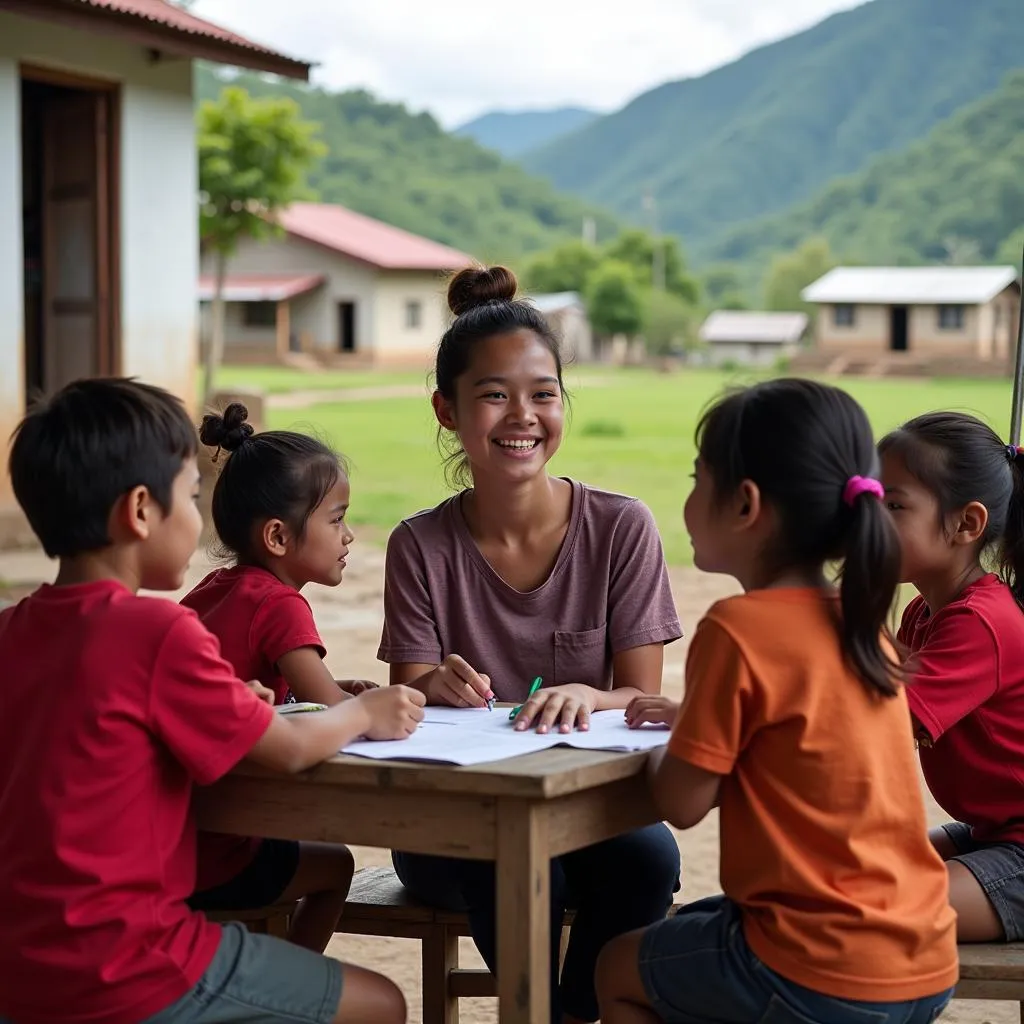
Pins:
<point x="260" y="287"/>
<point x="169" y="27"/>
<point x="367" y="240"/>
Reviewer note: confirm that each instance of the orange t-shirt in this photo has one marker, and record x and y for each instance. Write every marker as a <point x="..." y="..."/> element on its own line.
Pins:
<point x="823" y="833"/>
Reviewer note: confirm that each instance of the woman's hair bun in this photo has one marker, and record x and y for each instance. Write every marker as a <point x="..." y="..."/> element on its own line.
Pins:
<point x="476" y="286"/>
<point x="229" y="430"/>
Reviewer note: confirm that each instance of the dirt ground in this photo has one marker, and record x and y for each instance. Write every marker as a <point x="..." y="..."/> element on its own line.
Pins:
<point x="349" y="618"/>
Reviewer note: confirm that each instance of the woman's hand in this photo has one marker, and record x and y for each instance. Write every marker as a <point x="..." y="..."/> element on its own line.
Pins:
<point x="264" y="694"/>
<point x="354" y="687"/>
<point x="558" y="707"/>
<point x="457" y="684"/>
<point x="651" y="709"/>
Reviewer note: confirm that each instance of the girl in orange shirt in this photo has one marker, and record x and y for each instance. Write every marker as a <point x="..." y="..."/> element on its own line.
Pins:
<point x="794" y="721"/>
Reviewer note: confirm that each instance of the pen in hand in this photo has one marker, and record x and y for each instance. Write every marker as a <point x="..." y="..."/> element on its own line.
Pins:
<point x="535" y="686"/>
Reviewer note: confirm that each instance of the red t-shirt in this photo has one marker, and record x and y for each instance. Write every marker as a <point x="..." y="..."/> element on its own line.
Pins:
<point x="257" y="619"/>
<point x="112" y="707"/>
<point x="967" y="692"/>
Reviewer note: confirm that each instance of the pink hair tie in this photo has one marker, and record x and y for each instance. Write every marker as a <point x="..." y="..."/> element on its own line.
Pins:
<point x="858" y="485"/>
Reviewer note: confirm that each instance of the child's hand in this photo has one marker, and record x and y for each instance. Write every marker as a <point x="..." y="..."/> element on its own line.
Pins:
<point x="356" y="686"/>
<point x="265" y="695"/>
<point x="394" y="711"/>
<point x="456" y="683"/>
<point x="651" y="709"/>
<point x="558" y="707"/>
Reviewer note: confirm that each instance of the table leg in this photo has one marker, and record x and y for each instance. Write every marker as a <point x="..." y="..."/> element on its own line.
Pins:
<point x="523" y="909"/>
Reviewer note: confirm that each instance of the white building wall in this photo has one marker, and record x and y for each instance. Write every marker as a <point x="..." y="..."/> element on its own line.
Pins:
<point x="157" y="215"/>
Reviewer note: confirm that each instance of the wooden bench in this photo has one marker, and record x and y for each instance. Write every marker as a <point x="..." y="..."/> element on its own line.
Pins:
<point x="265" y="921"/>
<point x="993" y="972"/>
<point x="378" y="904"/>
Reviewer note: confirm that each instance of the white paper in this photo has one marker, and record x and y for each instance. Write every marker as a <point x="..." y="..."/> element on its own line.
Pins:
<point x="467" y="736"/>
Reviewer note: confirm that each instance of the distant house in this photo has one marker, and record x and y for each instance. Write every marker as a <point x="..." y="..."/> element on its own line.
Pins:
<point x="934" y="313"/>
<point x="98" y="226"/>
<point x="752" y="339"/>
<point x="566" y="312"/>
<point x="336" y="285"/>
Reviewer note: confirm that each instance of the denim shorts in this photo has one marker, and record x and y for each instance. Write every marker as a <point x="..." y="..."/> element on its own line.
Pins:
<point x="999" y="870"/>
<point x="257" y="979"/>
<point x="697" y="967"/>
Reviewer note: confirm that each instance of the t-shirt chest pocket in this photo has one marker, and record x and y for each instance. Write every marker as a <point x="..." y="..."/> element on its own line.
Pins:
<point x="582" y="656"/>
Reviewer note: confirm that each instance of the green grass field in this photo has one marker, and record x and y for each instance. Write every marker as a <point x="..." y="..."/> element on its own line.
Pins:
<point x="631" y="431"/>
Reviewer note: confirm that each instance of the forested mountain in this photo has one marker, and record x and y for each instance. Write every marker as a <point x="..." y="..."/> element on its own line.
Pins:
<point x="403" y="168"/>
<point x="513" y="133"/>
<point x="772" y="128"/>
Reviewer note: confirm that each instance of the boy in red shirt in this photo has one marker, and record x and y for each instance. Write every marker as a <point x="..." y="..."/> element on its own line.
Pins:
<point x="112" y="707"/>
<point x="956" y="494"/>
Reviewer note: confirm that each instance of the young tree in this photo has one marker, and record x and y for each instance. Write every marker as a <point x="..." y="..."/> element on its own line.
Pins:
<point x="565" y="268"/>
<point x="790" y="273"/>
<point x="254" y="155"/>
<point x="614" y="300"/>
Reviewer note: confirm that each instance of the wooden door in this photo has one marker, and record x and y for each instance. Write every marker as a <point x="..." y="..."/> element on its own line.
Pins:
<point x="77" y="315"/>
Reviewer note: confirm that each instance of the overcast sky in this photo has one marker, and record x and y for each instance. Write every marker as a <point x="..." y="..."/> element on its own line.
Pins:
<point x="459" y="58"/>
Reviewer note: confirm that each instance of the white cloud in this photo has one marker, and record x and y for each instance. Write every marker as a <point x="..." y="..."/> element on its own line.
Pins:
<point x="460" y="58"/>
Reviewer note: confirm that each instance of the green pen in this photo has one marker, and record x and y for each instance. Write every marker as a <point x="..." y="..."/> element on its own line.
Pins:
<point x="534" y="687"/>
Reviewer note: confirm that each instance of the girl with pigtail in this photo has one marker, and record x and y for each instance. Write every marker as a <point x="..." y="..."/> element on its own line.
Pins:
<point x="795" y="723"/>
<point x="956" y="494"/>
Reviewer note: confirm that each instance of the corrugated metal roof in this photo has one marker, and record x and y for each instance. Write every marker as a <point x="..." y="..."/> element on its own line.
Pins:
<point x="911" y="286"/>
<point x="552" y="302"/>
<point x="754" y="328"/>
<point x="367" y="240"/>
<point x="260" y="287"/>
<point x="170" y="21"/>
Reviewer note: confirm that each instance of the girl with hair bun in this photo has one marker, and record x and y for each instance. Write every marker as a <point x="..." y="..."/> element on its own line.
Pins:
<point x="279" y="509"/>
<point x="521" y="575"/>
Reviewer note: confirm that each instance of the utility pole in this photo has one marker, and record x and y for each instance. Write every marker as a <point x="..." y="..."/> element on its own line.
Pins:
<point x="658" y="246"/>
<point x="589" y="231"/>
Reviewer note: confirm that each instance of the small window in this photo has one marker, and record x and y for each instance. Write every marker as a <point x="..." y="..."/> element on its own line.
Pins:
<point x="843" y="315"/>
<point x="413" y="314"/>
<point x="260" y="314"/>
<point x="951" y="318"/>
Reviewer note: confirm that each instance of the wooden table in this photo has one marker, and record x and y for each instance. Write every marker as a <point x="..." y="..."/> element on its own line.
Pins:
<point x="519" y="812"/>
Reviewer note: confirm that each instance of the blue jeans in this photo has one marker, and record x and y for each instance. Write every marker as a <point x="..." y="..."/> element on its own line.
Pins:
<point x="697" y="967"/>
<point x="615" y="887"/>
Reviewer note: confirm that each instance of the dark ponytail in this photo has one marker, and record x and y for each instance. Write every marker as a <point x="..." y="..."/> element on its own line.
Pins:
<point x="806" y="445"/>
<point x="960" y="459"/>
<point x="870" y="575"/>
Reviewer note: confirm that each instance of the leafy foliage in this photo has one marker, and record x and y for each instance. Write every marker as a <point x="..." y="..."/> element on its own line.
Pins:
<point x="403" y="168"/>
<point x="253" y="159"/>
<point x="954" y="196"/>
<point x="790" y="273"/>
<point x="772" y="128"/>
<point x="614" y="300"/>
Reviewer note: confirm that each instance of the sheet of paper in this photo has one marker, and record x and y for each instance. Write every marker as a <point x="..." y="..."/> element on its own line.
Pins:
<point x="476" y="736"/>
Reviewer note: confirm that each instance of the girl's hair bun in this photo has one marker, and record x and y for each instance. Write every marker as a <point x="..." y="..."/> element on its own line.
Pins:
<point x="476" y="286"/>
<point x="229" y="430"/>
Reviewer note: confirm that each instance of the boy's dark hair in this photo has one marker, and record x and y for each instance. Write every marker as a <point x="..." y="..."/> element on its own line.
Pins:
<point x="801" y="442"/>
<point x="484" y="303"/>
<point x="278" y="474"/>
<point x="961" y="459"/>
<point x="75" y="454"/>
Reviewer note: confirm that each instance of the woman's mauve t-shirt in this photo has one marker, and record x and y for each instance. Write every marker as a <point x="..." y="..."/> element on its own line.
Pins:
<point x="608" y="592"/>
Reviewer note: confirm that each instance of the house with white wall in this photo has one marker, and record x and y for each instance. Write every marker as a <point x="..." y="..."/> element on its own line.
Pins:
<point x="336" y="285"/>
<point x="99" y="245"/>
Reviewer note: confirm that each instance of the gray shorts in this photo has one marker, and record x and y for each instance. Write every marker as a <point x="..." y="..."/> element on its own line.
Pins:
<point x="999" y="870"/>
<point x="258" y="979"/>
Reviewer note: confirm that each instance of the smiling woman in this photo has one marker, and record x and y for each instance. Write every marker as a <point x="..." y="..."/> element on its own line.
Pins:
<point x="521" y="575"/>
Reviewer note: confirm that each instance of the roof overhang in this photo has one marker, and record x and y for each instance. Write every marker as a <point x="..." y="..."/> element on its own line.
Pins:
<point x="157" y="35"/>
<point x="257" y="288"/>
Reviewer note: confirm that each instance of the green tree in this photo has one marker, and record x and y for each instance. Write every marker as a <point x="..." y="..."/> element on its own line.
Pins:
<point x="648" y="256"/>
<point x="254" y="155"/>
<point x="565" y="268"/>
<point x="723" y="287"/>
<point x="1011" y="250"/>
<point x="614" y="300"/>
<point x="670" y="323"/>
<point x="790" y="273"/>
